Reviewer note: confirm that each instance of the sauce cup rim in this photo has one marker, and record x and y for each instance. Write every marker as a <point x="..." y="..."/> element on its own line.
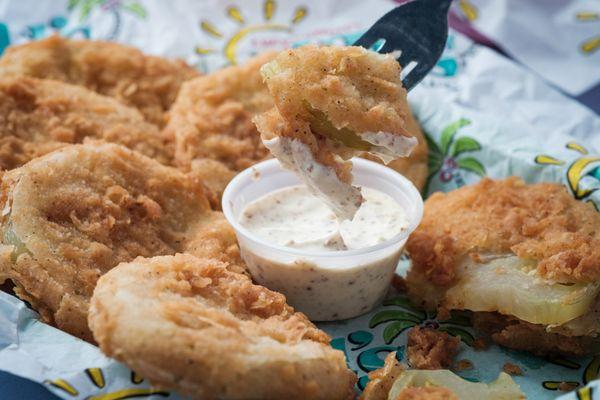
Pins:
<point x="271" y="165"/>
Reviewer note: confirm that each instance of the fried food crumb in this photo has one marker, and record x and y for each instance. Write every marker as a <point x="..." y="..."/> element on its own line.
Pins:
<point x="512" y="369"/>
<point x="521" y="335"/>
<point x="382" y="379"/>
<point x="431" y="349"/>
<point x="214" y="175"/>
<point x="567" y="386"/>
<point x="427" y="393"/>
<point x="480" y="344"/>
<point x="463" y="365"/>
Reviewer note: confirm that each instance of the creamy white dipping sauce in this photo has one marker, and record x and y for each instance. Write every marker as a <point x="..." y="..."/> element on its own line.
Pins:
<point x="322" y="288"/>
<point x="343" y="198"/>
<point x="293" y="217"/>
<point x="293" y="243"/>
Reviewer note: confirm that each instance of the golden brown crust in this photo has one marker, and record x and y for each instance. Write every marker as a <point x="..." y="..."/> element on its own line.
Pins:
<point x="192" y="325"/>
<point x="521" y="335"/>
<point x="382" y="379"/>
<point x="214" y="238"/>
<point x="212" y="117"/>
<point x="148" y="83"/>
<point x="537" y="221"/>
<point x="426" y="393"/>
<point x="353" y="87"/>
<point x="342" y="88"/>
<point x="38" y="116"/>
<point x="214" y="175"/>
<point x="428" y="348"/>
<point x="72" y="215"/>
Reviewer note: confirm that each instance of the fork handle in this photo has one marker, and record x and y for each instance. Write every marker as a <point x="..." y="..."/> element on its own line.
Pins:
<point x="442" y="5"/>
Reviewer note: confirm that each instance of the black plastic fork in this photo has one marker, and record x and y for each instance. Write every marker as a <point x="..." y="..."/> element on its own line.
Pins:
<point x="418" y="30"/>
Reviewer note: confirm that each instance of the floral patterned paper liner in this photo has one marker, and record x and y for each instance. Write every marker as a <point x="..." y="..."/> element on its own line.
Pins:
<point x="476" y="125"/>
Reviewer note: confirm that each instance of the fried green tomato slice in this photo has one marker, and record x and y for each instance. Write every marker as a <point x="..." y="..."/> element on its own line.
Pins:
<point x="526" y="253"/>
<point x="333" y="103"/>
<point x="192" y="325"/>
<point x="40" y="115"/>
<point x="148" y="83"/>
<point x="70" y="216"/>
<point x="211" y="122"/>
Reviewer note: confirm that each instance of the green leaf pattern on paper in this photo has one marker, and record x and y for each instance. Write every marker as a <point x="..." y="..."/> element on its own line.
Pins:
<point x="465" y="144"/>
<point x="471" y="164"/>
<point x="113" y="9"/>
<point x="453" y="155"/>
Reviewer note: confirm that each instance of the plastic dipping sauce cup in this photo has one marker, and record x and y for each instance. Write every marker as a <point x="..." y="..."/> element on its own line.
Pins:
<point x="324" y="285"/>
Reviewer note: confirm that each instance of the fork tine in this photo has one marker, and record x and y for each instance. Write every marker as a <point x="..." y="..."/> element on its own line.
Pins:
<point x="404" y="59"/>
<point x="388" y="47"/>
<point x="367" y="39"/>
<point x="414" y="76"/>
<point x="418" y="29"/>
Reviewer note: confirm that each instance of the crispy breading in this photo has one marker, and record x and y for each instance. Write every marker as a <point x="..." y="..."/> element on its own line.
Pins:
<point x="512" y="369"/>
<point x="462" y="365"/>
<point x="212" y="116"/>
<point x="38" y="116"/>
<point x="148" y="83"/>
<point x="429" y="348"/>
<point x="521" y="335"/>
<point x="537" y="221"/>
<point x="72" y="215"/>
<point x="382" y="379"/>
<point x="211" y="122"/>
<point x="192" y="325"/>
<point x="214" y="175"/>
<point x="541" y="228"/>
<point x="352" y="87"/>
<point x="214" y="238"/>
<point x="335" y="93"/>
<point x="333" y="103"/>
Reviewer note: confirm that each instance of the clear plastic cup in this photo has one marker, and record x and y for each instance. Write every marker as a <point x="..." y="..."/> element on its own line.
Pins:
<point x="330" y="285"/>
